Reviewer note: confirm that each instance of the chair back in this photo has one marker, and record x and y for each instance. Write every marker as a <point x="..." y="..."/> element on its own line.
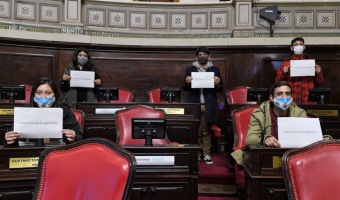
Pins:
<point x="238" y="95"/>
<point x="80" y="116"/>
<point x="311" y="172"/>
<point x="240" y="121"/>
<point x="154" y="95"/>
<point x="124" y="124"/>
<point x="124" y="96"/>
<point x="94" y="168"/>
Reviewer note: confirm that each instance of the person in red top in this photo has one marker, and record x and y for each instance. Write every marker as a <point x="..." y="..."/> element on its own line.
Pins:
<point x="300" y="85"/>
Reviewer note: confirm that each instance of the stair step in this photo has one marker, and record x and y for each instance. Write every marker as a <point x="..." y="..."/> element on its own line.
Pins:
<point x="216" y="190"/>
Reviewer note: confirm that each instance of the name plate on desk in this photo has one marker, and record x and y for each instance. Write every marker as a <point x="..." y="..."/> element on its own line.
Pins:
<point x="25" y="162"/>
<point x="6" y="111"/>
<point x="107" y="111"/>
<point x="155" y="160"/>
<point x="277" y="162"/>
<point x="324" y="113"/>
<point x="173" y="111"/>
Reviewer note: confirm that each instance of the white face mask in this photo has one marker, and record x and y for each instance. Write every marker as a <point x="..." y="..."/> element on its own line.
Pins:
<point x="283" y="103"/>
<point x="298" y="50"/>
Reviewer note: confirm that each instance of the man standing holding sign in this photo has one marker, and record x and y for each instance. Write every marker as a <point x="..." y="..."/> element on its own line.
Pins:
<point x="300" y="83"/>
<point x="202" y="81"/>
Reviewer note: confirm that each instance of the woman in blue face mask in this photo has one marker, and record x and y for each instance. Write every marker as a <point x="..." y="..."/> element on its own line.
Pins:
<point x="45" y="95"/>
<point x="81" y="61"/>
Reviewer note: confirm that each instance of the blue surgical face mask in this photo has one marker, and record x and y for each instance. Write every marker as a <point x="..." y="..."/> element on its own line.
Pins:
<point x="283" y="103"/>
<point x="44" y="102"/>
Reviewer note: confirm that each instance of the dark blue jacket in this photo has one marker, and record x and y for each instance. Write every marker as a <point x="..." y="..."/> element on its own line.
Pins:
<point x="209" y="94"/>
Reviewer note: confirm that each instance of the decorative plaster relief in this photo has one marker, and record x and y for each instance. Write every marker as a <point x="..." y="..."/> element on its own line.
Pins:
<point x="117" y="18"/>
<point x="158" y="20"/>
<point x="178" y="21"/>
<point x="325" y="19"/>
<point x="199" y="20"/>
<point x="96" y="17"/>
<point x="304" y="19"/>
<point x="5" y="8"/>
<point x="25" y="10"/>
<point x="49" y="13"/>
<point x="284" y="20"/>
<point x="137" y="19"/>
<point x="219" y="20"/>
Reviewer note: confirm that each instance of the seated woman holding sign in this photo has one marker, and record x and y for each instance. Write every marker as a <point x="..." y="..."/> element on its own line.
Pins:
<point x="45" y="95"/>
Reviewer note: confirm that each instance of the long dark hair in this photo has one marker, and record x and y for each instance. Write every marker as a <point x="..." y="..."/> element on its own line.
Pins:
<point x="41" y="81"/>
<point x="89" y="63"/>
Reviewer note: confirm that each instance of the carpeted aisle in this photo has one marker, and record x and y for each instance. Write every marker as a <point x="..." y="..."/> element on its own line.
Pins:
<point x="216" y="182"/>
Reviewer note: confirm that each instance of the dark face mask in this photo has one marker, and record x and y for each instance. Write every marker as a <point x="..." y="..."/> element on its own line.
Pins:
<point x="203" y="60"/>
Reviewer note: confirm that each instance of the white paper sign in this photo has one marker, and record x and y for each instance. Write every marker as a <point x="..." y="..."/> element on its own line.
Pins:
<point x="302" y="68"/>
<point x="82" y="79"/>
<point x="202" y="80"/>
<point x="38" y="122"/>
<point x="296" y="132"/>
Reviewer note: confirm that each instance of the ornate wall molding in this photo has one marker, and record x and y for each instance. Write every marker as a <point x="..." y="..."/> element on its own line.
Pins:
<point x="180" y="21"/>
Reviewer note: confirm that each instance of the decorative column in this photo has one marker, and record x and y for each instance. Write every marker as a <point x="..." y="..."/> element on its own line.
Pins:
<point x="72" y="17"/>
<point x="244" y="19"/>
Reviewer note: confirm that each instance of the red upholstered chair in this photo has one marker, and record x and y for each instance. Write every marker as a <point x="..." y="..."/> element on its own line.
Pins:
<point x="240" y="121"/>
<point x="238" y="95"/>
<point x="124" y="96"/>
<point x="311" y="172"/>
<point x="154" y="95"/>
<point x="90" y="169"/>
<point x="80" y="116"/>
<point x="124" y="124"/>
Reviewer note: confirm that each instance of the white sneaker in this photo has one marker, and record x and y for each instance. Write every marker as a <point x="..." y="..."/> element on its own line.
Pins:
<point x="207" y="158"/>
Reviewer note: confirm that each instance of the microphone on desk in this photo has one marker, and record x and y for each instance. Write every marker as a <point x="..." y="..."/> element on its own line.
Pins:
<point x="264" y="132"/>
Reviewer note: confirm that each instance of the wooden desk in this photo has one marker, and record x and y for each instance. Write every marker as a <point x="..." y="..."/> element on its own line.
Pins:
<point x="263" y="181"/>
<point x="151" y="182"/>
<point x="6" y="119"/>
<point x="182" y="128"/>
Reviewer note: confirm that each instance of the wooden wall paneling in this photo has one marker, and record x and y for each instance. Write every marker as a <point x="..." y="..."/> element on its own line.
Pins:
<point x="25" y="68"/>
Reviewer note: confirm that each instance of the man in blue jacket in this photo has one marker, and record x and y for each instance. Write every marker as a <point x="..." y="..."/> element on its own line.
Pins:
<point x="206" y="97"/>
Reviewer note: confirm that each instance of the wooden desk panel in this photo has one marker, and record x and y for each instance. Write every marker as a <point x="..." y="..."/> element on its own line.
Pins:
<point x="263" y="181"/>
<point x="182" y="128"/>
<point x="151" y="182"/>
